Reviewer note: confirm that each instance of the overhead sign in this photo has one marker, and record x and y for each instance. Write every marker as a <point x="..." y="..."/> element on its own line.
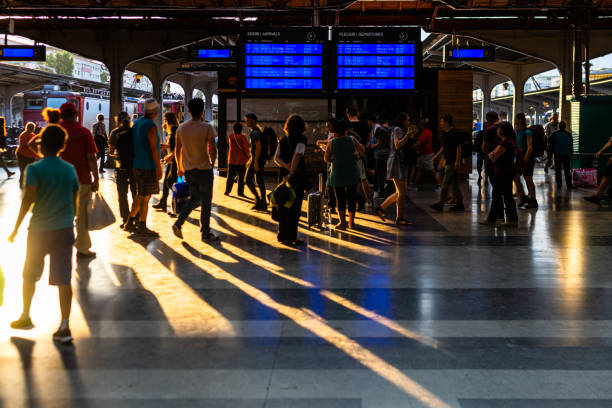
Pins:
<point x="369" y="59"/>
<point x="210" y="54"/>
<point x="22" y="53"/>
<point x="469" y="53"/>
<point x="289" y="59"/>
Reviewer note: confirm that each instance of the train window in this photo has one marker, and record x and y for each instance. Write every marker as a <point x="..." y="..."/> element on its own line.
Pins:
<point x="87" y="105"/>
<point x="35" y="104"/>
<point x="55" y="103"/>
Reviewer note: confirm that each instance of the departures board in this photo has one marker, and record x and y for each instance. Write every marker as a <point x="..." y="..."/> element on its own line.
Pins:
<point x="329" y="60"/>
<point x="377" y="59"/>
<point x="288" y="59"/>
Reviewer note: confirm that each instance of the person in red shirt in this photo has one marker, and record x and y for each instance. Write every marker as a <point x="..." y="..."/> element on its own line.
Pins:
<point x="25" y="154"/>
<point x="238" y="157"/>
<point x="424" y="146"/>
<point x="81" y="153"/>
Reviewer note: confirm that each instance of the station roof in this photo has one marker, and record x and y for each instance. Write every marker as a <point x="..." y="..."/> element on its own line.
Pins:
<point x="231" y="14"/>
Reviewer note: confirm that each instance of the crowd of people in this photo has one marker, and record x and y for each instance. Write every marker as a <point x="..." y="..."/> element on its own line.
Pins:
<point x="372" y="162"/>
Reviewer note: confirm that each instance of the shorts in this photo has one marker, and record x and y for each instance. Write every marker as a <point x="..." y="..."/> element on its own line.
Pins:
<point x="425" y="162"/>
<point x="362" y="171"/>
<point x="528" y="167"/>
<point x="146" y="182"/>
<point x="58" y="245"/>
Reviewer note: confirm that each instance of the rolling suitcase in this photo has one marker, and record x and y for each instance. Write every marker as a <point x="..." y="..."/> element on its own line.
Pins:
<point x="315" y="206"/>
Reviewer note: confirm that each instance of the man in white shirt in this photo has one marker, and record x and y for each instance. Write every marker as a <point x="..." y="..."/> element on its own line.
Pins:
<point x="196" y="153"/>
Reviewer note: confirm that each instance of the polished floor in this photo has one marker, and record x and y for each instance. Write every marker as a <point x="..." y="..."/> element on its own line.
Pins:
<point x="446" y="313"/>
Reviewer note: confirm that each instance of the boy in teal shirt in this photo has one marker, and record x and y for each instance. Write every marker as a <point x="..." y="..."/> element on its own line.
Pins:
<point x="52" y="186"/>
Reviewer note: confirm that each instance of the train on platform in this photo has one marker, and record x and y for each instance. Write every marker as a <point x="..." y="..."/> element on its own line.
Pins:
<point x="88" y="104"/>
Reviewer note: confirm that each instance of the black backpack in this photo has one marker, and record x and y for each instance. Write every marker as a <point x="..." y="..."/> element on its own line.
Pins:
<point x="538" y="140"/>
<point x="269" y="142"/>
<point x="479" y="139"/>
<point x="466" y="144"/>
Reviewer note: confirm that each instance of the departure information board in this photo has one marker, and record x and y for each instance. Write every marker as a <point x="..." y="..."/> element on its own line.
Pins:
<point x="467" y="53"/>
<point x="210" y="54"/>
<point x="22" y="53"/>
<point x="370" y="59"/>
<point x="284" y="59"/>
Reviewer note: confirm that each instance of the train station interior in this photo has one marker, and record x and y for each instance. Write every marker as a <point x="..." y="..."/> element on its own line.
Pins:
<point x="471" y="274"/>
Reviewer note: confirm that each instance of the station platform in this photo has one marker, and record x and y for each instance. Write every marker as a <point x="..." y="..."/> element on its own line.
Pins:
<point x="445" y="313"/>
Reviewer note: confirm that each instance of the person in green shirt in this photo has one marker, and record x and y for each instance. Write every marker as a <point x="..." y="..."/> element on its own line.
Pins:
<point x="51" y="186"/>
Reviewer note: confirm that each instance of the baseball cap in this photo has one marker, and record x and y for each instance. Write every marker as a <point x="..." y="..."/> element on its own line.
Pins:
<point x="68" y="108"/>
<point x="151" y="105"/>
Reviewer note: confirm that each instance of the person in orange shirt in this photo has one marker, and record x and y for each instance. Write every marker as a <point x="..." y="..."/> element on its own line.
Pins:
<point x="25" y="154"/>
<point x="238" y="158"/>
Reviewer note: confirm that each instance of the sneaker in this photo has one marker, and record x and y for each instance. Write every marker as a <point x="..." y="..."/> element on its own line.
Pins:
<point x="23" y="323"/>
<point x="523" y="201"/>
<point x="340" y="227"/>
<point x="177" y="231"/>
<point x="63" y="336"/>
<point x="593" y="199"/>
<point x="437" y="206"/>
<point x="145" y="232"/>
<point x="84" y="255"/>
<point x="210" y="238"/>
<point x="487" y="222"/>
<point x="159" y="206"/>
<point x="457" y="208"/>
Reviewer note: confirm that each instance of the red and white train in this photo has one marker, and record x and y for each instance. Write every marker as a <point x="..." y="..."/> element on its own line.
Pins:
<point x="88" y="105"/>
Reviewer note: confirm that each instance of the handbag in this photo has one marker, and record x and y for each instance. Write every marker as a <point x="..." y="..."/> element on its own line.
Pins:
<point x="99" y="214"/>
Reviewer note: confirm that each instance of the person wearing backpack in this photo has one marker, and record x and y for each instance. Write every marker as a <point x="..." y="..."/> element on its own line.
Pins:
<point x="237" y="159"/>
<point x="525" y="142"/>
<point x="255" y="165"/>
<point x="381" y="146"/>
<point x="452" y="144"/>
<point x="562" y="149"/>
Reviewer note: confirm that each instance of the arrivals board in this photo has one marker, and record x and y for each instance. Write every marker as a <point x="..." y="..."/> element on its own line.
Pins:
<point x="290" y="59"/>
<point x="22" y="53"/>
<point x="377" y="59"/>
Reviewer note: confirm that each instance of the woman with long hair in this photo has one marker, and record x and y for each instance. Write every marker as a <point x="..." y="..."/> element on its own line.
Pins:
<point x="291" y="158"/>
<point x="503" y="158"/>
<point x="25" y="154"/>
<point x="3" y="146"/>
<point x="171" y="124"/>
<point x="396" y="170"/>
<point x="342" y="152"/>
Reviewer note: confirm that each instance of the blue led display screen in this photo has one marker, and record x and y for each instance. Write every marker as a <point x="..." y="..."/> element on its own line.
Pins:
<point x="467" y="53"/>
<point x="284" y="49"/>
<point x="281" y="83"/>
<point x="376" y="84"/>
<point x="371" y="72"/>
<point x="373" y="60"/>
<point x="270" y="66"/>
<point x="284" y="72"/>
<point x="283" y="60"/>
<point x="375" y="66"/>
<point x="213" y="53"/>
<point x="18" y="52"/>
<point x="376" y="49"/>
